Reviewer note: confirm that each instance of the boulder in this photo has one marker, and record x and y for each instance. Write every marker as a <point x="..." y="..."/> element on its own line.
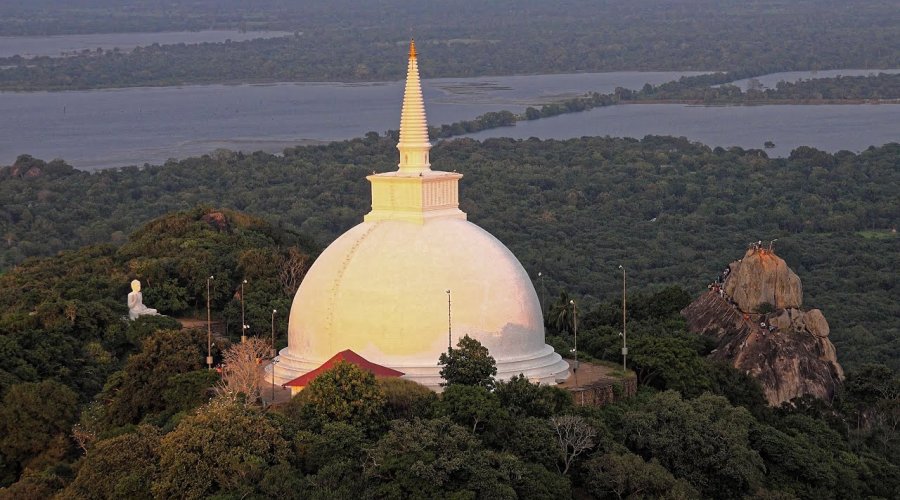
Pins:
<point x="814" y="322"/>
<point x="761" y="277"/>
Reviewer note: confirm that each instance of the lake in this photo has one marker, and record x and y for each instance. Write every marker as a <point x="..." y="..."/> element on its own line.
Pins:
<point x="32" y="46"/>
<point x="132" y="126"/>
<point x="118" y="127"/>
<point x="826" y="127"/>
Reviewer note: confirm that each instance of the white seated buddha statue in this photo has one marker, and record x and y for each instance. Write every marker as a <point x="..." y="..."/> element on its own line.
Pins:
<point x="136" y="305"/>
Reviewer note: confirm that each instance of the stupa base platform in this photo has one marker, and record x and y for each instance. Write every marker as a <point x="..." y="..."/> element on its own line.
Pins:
<point x="544" y="367"/>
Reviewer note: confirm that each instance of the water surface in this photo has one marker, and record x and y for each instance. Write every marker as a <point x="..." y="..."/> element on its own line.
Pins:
<point x="117" y="127"/>
<point x="826" y="127"/>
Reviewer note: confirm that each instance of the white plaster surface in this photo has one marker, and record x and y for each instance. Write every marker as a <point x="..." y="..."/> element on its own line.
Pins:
<point x="380" y="290"/>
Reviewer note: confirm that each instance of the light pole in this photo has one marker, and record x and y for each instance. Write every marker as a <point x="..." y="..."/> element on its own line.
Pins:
<point x="274" y="353"/>
<point x="543" y="292"/>
<point x="624" y="331"/>
<point x="274" y="362"/>
<point x="243" y="321"/>
<point x="575" y="325"/>
<point x="209" y="359"/>
<point x="449" y="324"/>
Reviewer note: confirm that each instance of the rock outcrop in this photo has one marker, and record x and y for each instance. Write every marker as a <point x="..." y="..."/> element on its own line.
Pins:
<point x="753" y="312"/>
<point x="760" y="278"/>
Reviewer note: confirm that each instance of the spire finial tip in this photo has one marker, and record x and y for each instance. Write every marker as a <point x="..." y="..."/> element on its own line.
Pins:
<point x="412" y="48"/>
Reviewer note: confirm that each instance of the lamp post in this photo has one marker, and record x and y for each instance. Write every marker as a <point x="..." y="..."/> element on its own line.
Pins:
<point x="575" y="325"/>
<point x="243" y="321"/>
<point x="543" y="292"/>
<point x="449" y="324"/>
<point x="209" y="359"/>
<point x="624" y="331"/>
<point x="274" y="362"/>
<point x="274" y="353"/>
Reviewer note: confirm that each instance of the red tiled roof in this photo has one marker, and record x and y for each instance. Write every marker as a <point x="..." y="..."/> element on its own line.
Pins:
<point x="347" y="356"/>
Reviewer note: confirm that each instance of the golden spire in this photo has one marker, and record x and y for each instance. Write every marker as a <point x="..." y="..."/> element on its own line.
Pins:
<point x="414" y="193"/>
<point x="413" y="145"/>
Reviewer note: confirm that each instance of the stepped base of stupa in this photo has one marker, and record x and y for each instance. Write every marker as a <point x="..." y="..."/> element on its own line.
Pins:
<point x="545" y="367"/>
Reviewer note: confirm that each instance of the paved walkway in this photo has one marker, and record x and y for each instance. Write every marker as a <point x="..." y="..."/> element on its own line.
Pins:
<point x="588" y="374"/>
<point x="282" y="395"/>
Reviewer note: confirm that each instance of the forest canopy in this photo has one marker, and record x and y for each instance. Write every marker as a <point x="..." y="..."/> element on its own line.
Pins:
<point x="94" y="405"/>
<point x="460" y="38"/>
<point x="673" y="212"/>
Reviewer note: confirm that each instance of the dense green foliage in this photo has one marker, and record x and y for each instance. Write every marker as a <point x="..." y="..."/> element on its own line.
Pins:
<point x="119" y="467"/>
<point x="34" y="422"/>
<point x="469" y="363"/>
<point x="172" y="256"/>
<point x="343" y="394"/>
<point x="223" y="447"/>
<point x="65" y="335"/>
<point x="460" y="38"/>
<point x="882" y="86"/>
<point x="673" y="212"/>
<point x="695" y="428"/>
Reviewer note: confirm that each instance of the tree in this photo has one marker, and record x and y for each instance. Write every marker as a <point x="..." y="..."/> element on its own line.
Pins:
<point x="704" y="440"/>
<point x="536" y="482"/>
<point x="670" y="362"/>
<point x="629" y="476"/>
<point x="241" y="374"/>
<point x="574" y="435"/>
<point x="867" y="390"/>
<point x="335" y="442"/>
<point x="562" y="315"/>
<point x="435" y="459"/>
<point x="667" y="302"/>
<point x="529" y="438"/>
<point x="344" y="393"/>
<point x="796" y="462"/>
<point x="406" y="399"/>
<point x="469" y="405"/>
<point x="35" y="485"/>
<point x="35" y="419"/>
<point x="292" y="267"/>
<point x="137" y="391"/>
<point x="469" y="364"/>
<point x="225" y="448"/>
<point x="189" y="390"/>
<point x="120" y="467"/>
<point x="520" y="398"/>
<point x="740" y="388"/>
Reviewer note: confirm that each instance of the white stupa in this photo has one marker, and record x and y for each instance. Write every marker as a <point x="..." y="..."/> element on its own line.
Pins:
<point x="381" y="289"/>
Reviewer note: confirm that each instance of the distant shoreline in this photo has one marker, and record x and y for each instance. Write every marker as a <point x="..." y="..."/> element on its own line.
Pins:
<point x="763" y="102"/>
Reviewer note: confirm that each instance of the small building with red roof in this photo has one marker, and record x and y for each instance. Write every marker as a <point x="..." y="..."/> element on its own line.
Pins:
<point x="296" y="385"/>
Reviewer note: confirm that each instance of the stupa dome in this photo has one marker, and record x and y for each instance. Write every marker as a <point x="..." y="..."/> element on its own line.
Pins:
<point x="382" y="288"/>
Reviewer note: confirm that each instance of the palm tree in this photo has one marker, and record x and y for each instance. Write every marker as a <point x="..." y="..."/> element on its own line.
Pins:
<point x="560" y="316"/>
